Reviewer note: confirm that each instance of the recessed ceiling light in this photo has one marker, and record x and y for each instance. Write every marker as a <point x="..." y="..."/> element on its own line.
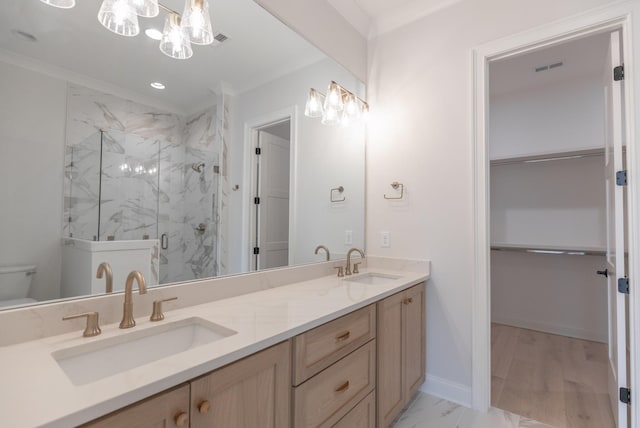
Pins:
<point x="157" y="85"/>
<point x="154" y="34"/>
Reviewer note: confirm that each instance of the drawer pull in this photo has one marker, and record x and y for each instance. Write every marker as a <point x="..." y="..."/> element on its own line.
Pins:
<point x="343" y="387"/>
<point x="343" y="336"/>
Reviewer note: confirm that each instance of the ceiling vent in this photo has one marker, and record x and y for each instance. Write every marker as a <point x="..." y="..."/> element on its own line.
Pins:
<point x="549" y="66"/>
<point x="220" y="37"/>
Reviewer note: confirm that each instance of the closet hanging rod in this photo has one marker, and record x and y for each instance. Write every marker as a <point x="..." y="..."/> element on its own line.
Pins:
<point x="549" y="157"/>
<point x="550" y="250"/>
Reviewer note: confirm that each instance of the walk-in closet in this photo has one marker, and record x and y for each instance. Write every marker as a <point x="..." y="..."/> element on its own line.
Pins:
<point x="550" y="309"/>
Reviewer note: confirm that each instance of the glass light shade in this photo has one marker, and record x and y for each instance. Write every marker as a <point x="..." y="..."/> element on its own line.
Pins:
<point x="175" y="39"/>
<point x="352" y="108"/>
<point x="62" y="4"/>
<point x="120" y="17"/>
<point x="197" y="21"/>
<point x="331" y="117"/>
<point x="314" y="104"/>
<point x="146" y="8"/>
<point x="345" y="121"/>
<point x="365" y="111"/>
<point x="333" y="100"/>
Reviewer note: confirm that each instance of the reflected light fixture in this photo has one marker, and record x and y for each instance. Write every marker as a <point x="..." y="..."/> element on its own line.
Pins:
<point x="157" y="85"/>
<point x="340" y="107"/>
<point x="197" y="21"/>
<point x="314" y="104"/>
<point x="175" y="41"/>
<point x="180" y="31"/>
<point x="62" y="4"/>
<point x="120" y="17"/>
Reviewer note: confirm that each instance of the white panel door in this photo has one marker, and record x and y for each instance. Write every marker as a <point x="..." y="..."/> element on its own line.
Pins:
<point x="273" y="210"/>
<point x="615" y="232"/>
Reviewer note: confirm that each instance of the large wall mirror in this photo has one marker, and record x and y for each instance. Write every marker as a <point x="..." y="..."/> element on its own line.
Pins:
<point x="183" y="169"/>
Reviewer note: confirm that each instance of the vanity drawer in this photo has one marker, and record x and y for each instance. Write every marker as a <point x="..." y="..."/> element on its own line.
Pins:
<point x="317" y="349"/>
<point x="361" y="416"/>
<point x="325" y="398"/>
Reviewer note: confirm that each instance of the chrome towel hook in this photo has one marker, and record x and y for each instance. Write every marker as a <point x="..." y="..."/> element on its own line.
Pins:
<point x="396" y="185"/>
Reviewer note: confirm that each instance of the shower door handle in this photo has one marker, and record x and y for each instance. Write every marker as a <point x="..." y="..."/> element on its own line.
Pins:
<point x="604" y="273"/>
<point x="164" y="241"/>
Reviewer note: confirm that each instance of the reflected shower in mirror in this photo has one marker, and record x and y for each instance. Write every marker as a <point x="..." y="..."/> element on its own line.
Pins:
<point x="114" y="153"/>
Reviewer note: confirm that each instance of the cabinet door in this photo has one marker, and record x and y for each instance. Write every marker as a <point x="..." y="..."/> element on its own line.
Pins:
<point x="390" y="388"/>
<point x="414" y="340"/>
<point x="251" y="393"/>
<point x="166" y="410"/>
<point x="361" y="416"/>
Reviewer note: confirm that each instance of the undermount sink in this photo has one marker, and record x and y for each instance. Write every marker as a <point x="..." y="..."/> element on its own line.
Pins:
<point x="373" y="278"/>
<point x="103" y="358"/>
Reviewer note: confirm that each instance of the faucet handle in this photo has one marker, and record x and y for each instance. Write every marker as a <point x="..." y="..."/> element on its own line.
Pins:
<point x="92" y="328"/>
<point x="355" y="267"/>
<point x="157" y="314"/>
<point x="340" y="271"/>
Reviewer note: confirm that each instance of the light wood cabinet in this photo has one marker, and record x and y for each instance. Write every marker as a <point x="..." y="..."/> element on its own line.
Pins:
<point x="317" y="349"/>
<point x="401" y="351"/>
<point x="251" y="393"/>
<point x="361" y="416"/>
<point x="169" y="409"/>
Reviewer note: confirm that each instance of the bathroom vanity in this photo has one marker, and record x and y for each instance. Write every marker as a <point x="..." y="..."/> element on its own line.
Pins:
<point x="327" y="351"/>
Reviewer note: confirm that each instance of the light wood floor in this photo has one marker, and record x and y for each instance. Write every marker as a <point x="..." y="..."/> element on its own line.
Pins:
<point x="557" y="380"/>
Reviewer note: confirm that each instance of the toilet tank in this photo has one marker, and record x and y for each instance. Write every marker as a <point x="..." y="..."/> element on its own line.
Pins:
<point x="15" y="281"/>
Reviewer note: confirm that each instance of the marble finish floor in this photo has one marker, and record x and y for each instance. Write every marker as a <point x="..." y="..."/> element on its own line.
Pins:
<point x="558" y="380"/>
<point x="432" y="412"/>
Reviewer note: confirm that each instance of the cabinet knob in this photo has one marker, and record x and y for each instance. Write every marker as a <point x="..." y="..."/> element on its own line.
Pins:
<point x="408" y="300"/>
<point x="204" y="407"/>
<point x="181" y="420"/>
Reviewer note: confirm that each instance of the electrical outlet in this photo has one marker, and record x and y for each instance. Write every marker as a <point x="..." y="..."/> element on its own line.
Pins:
<point x="348" y="237"/>
<point x="385" y="239"/>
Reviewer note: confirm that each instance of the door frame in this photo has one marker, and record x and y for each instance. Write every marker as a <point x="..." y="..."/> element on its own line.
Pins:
<point x="251" y="128"/>
<point x="620" y="15"/>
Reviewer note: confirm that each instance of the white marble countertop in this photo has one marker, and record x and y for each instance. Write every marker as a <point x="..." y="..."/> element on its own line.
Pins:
<point x="36" y="392"/>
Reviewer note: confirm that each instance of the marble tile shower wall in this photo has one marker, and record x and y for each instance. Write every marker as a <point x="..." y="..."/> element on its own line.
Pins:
<point x="173" y="202"/>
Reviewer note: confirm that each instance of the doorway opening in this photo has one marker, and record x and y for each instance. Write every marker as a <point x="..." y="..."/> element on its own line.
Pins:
<point x="558" y="329"/>
<point x="271" y="183"/>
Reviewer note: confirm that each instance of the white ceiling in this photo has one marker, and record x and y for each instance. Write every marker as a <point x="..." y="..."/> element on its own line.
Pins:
<point x="260" y="48"/>
<point x="581" y="58"/>
<point x="374" y="17"/>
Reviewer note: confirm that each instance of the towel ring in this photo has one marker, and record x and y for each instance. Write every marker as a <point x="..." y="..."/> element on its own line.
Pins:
<point x="340" y="190"/>
<point x="395" y="185"/>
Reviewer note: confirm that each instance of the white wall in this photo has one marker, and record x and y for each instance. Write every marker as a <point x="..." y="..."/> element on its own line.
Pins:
<point x="326" y="157"/>
<point x="566" y="116"/>
<point x="420" y="89"/>
<point x="32" y="130"/>
<point x="324" y="27"/>
<point x="556" y="203"/>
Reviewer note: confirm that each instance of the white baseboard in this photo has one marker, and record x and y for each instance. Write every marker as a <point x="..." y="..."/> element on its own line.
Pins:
<point x="448" y="390"/>
<point x="578" y="333"/>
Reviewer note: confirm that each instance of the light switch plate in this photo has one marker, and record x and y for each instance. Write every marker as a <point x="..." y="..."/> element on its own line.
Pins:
<point x="348" y="237"/>
<point x="385" y="239"/>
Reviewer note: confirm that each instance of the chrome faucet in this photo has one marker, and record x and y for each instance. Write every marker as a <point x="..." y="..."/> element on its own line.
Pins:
<point x="347" y="270"/>
<point x="105" y="269"/>
<point x="127" y="314"/>
<point x="322" y="247"/>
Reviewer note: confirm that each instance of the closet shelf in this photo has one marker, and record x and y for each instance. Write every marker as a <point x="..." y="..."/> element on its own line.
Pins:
<point x="550" y="249"/>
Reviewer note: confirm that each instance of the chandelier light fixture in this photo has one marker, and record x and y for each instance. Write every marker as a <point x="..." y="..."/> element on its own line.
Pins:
<point x="180" y="31"/>
<point x="338" y="107"/>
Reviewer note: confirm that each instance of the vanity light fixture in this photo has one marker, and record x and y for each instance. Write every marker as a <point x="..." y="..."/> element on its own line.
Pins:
<point x="180" y="31"/>
<point x="340" y="106"/>
<point x="62" y="4"/>
<point x="157" y="85"/>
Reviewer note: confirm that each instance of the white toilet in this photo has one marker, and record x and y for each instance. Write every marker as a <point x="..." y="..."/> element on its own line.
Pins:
<point x="15" y="282"/>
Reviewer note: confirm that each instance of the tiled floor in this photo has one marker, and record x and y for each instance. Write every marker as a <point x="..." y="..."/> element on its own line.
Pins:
<point x="431" y="412"/>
